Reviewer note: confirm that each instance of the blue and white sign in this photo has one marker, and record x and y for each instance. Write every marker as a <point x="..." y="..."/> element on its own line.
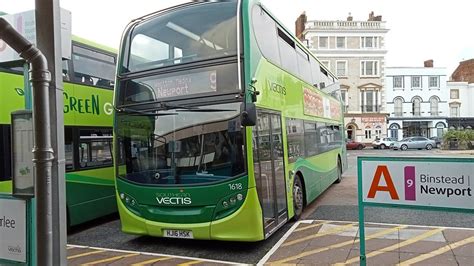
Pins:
<point x="13" y="230"/>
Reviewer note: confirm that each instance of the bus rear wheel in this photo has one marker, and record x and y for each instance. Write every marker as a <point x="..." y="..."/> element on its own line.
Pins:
<point x="298" y="197"/>
<point x="339" y="172"/>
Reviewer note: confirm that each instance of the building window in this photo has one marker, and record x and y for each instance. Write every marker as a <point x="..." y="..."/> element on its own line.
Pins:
<point x="341" y="68"/>
<point x="454" y="94"/>
<point x="370" y="101"/>
<point x="378" y="132"/>
<point x="398" y="82"/>
<point x="434" y="82"/>
<point x="345" y="100"/>
<point x="434" y="106"/>
<point x="369" y="68"/>
<point x="440" y="129"/>
<point x="454" y="110"/>
<point x="416" y="82"/>
<point x="398" y="106"/>
<point x="416" y="106"/>
<point x="324" y="42"/>
<point x="369" y="42"/>
<point x="326" y="63"/>
<point x="341" y="42"/>
<point x="368" y="133"/>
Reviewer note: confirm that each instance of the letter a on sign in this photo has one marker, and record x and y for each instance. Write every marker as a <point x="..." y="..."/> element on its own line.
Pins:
<point x="374" y="187"/>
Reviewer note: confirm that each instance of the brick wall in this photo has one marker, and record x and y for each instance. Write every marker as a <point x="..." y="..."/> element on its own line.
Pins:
<point x="464" y="72"/>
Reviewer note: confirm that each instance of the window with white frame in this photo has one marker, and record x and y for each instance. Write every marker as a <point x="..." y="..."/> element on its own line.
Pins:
<point x="341" y="42"/>
<point x="434" y="81"/>
<point x="398" y="82"/>
<point x="368" y="133"/>
<point x="344" y="99"/>
<point x="327" y="63"/>
<point x="416" y="106"/>
<point x="434" y="106"/>
<point x="454" y="110"/>
<point x="398" y="106"/>
<point x="369" y="42"/>
<point x="378" y="131"/>
<point x="369" y="68"/>
<point x="341" y="68"/>
<point x="324" y="42"/>
<point x="416" y="82"/>
<point x="454" y="94"/>
<point x="369" y="99"/>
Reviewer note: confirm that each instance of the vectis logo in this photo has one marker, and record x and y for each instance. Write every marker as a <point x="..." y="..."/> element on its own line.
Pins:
<point x="173" y="199"/>
<point x="14" y="249"/>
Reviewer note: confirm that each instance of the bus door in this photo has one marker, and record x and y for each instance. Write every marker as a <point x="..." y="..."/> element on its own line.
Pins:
<point x="270" y="170"/>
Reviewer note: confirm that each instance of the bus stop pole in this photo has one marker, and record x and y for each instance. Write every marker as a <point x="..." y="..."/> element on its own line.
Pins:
<point x="48" y="37"/>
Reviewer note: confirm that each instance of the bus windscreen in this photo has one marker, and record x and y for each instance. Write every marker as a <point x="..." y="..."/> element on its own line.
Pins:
<point x="186" y="35"/>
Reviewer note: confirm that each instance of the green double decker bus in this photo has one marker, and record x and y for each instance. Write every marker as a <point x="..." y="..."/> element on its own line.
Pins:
<point x="88" y="108"/>
<point x="226" y="126"/>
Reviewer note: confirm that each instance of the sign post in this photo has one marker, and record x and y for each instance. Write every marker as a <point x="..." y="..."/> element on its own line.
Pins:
<point x="435" y="183"/>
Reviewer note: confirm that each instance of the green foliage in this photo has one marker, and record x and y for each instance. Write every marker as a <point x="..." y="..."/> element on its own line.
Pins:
<point x="463" y="138"/>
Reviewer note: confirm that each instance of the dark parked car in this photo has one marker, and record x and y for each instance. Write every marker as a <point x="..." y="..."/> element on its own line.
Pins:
<point x="438" y="141"/>
<point x="354" y="145"/>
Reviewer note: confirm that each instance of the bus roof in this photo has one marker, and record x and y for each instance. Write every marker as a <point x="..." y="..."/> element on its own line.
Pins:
<point x="93" y="44"/>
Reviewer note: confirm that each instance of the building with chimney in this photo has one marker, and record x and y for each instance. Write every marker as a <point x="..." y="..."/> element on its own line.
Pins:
<point x="417" y="101"/>
<point x="461" y="96"/>
<point x="355" y="52"/>
<point x="464" y="72"/>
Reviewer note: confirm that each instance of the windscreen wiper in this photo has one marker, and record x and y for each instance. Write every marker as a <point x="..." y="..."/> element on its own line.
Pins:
<point x="132" y="111"/>
<point x="169" y="106"/>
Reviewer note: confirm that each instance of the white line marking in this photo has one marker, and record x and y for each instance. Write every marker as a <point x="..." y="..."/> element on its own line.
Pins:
<point x="160" y="255"/>
<point x="282" y="239"/>
<point x="427" y="226"/>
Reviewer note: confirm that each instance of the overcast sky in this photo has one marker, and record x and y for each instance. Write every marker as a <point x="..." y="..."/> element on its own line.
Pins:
<point x="419" y="30"/>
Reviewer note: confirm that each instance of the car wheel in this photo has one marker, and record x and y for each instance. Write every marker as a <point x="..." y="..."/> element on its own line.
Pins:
<point x="298" y="197"/>
<point x="383" y="147"/>
<point x="404" y="147"/>
<point x="360" y="147"/>
<point x="429" y="147"/>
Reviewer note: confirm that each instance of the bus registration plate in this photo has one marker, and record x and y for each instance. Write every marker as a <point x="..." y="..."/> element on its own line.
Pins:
<point x="178" y="233"/>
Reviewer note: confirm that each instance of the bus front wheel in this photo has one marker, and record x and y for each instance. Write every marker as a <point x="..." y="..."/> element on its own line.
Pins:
<point x="298" y="197"/>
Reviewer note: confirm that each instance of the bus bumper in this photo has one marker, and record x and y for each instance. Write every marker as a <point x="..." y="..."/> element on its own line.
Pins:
<point x="246" y="224"/>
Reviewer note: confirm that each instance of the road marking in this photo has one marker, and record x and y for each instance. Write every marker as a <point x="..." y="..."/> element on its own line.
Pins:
<point x="190" y="263"/>
<point x="151" y="261"/>
<point x="70" y="247"/>
<point x="338" y="245"/>
<point x="308" y="227"/>
<point x="112" y="259"/>
<point x="278" y="244"/>
<point x="85" y="254"/>
<point x="160" y="255"/>
<point x="329" y="232"/>
<point x="438" y="251"/>
<point x="396" y="246"/>
<point x="410" y="225"/>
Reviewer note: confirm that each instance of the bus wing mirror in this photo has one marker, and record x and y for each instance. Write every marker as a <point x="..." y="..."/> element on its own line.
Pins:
<point x="248" y="114"/>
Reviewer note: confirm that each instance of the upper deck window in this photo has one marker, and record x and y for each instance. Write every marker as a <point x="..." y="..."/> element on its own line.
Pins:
<point x="197" y="32"/>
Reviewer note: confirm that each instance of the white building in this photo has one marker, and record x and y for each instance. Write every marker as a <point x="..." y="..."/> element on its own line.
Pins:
<point x="355" y="52"/>
<point x="417" y="101"/>
<point x="461" y="105"/>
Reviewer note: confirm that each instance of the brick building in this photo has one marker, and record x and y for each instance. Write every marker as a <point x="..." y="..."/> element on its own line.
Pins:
<point x="464" y="72"/>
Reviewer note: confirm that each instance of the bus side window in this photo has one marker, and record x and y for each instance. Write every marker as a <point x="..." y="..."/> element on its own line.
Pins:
<point x="5" y="152"/>
<point x="69" y="149"/>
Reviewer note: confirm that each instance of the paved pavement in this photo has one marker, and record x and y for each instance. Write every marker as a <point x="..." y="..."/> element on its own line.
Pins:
<point x="318" y="242"/>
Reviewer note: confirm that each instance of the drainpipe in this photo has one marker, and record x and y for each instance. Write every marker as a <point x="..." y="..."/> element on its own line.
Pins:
<point x="42" y="151"/>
